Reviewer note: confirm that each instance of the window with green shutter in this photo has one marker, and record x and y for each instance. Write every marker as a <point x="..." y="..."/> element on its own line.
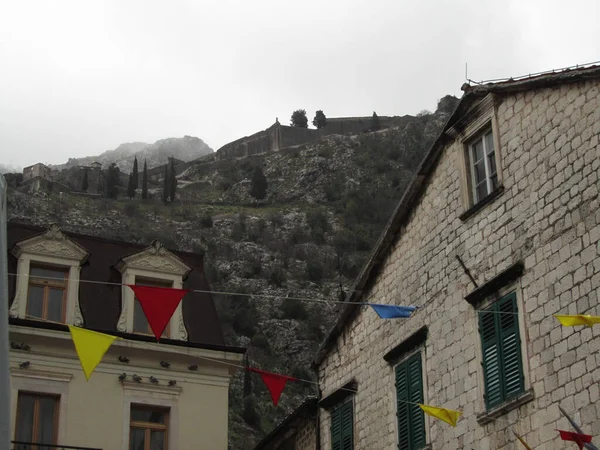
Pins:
<point x="501" y="348"/>
<point x="342" y="428"/>
<point x="409" y="388"/>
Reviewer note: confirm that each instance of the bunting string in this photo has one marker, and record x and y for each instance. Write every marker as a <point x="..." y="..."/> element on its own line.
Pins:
<point x="314" y="300"/>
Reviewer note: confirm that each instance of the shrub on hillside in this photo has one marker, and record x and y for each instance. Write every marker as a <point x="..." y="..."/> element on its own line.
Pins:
<point x="130" y="209"/>
<point x="293" y="309"/>
<point x="314" y="270"/>
<point x="206" y="221"/>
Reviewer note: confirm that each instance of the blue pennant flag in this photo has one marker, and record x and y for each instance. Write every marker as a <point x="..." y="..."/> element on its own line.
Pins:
<point x="392" y="311"/>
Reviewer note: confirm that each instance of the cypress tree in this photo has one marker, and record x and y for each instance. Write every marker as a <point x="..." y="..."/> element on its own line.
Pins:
<point x="145" y="182"/>
<point x="172" y="180"/>
<point x="135" y="173"/>
<point x="166" y="185"/>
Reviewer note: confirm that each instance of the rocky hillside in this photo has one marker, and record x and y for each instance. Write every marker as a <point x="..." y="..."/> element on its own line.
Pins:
<point x="325" y="206"/>
<point x="186" y="148"/>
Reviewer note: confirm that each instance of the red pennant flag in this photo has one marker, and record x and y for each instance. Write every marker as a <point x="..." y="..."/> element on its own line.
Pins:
<point x="158" y="304"/>
<point x="578" y="438"/>
<point x="275" y="383"/>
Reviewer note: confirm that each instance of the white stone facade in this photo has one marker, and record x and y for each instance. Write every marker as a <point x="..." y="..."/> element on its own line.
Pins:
<point x="547" y="216"/>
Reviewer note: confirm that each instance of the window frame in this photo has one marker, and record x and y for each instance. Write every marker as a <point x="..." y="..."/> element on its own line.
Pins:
<point x="491" y="186"/>
<point x="337" y="414"/>
<point x="148" y="427"/>
<point x="47" y="284"/>
<point x="480" y="119"/>
<point x="35" y="425"/>
<point x="501" y="296"/>
<point x="153" y="282"/>
<point x="405" y="362"/>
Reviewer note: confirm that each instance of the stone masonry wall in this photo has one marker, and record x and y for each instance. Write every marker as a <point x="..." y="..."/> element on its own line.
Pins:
<point x="306" y="437"/>
<point x="548" y="217"/>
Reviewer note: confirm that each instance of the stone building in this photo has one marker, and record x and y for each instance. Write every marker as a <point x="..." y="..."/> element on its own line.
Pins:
<point x="297" y="431"/>
<point x="37" y="170"/>
<point x="72" y="279"/>
<point x="498" y="231"/>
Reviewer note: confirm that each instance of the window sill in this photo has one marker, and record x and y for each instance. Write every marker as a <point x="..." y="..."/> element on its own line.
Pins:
<point x="503" y="408"/>
<point x="482" y="203"/>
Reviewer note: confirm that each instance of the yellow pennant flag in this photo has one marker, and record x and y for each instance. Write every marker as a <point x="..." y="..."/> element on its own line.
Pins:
<point x="90" y="347"/>
<point x="447" y="415"/>
<point x="522" y="441"/>
<point x="580" y="319"/>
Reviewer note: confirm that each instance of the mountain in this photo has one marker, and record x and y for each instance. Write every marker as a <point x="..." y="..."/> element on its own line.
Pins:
<point x="325" y="206"/>
<point x="186" y="148"/>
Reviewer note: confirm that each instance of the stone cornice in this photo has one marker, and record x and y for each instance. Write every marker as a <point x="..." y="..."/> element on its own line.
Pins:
<point x="53" y="243"/>
<point x="155" y="258"/>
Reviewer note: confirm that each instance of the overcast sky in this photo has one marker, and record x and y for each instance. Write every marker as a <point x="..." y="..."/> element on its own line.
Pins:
<point x="78" y="77"/>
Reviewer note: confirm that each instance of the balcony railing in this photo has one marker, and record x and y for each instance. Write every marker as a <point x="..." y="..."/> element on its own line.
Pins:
<point x="17" y="445"/>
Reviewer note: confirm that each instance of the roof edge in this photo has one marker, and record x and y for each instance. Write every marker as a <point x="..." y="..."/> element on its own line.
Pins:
<point x="129" y="336"/>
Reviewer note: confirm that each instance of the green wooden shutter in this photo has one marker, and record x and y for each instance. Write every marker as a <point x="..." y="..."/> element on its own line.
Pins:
<point x="409" y="388"/>
<point x="491" y="357"/>
<point x="415" y="388"/>
<point x="347" y="427"/>
<point x="336" y="429"/>
<point x="403" y="410"/>
<point x="501" y="346"/>
<point x="510" y="347"/>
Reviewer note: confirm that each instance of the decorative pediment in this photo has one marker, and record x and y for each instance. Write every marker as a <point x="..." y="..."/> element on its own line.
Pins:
<point x="53" y="243"/>
<point x="155" y="258"/>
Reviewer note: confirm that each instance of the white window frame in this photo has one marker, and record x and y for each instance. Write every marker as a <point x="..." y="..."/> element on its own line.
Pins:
<point x="44" y="383"/>
<point x="481" y="138"/>
<point x="476" y="123"/>
<point x="53" y="249"/>
<point x="154" y="262"/>
<point x="152" y="396"/>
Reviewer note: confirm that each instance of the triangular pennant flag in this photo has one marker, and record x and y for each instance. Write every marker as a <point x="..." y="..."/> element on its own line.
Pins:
<point x="525" y="444"/>
<point x="275" y="383"/>
<point x="579" y="319"/>
<point x="578" y="438"/>
<point x="159" y="304"/>
<point x="447" y="415"/>
<point x="392" y="311"/>
<point x="587" y="445"/>
<point x="90" y="347"/>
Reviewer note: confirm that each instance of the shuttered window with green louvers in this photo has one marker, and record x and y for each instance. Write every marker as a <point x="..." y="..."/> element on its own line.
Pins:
<point x="342" y="427"/>
<point x="501" y="347"/>
<point x="409" y="388"/>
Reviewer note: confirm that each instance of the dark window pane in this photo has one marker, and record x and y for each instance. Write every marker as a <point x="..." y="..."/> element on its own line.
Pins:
<point x="492" y="163"/>
<point x="481" y="191"/>
<point x="155" y="283"/>
<point x="140" y="323"/>
<point x="157" y="440"/>
<point x="479" y="172"/>
<point x="489" y="143"/>
<point x="147" y="415"/>
<point x="47" y="409"/>
<point x="35" y="302"/>
<point x="55" y="305"/>
<point x="494" y="181"/>
<point x="136" y="439"/>
<point x="26" y="403"/>
<point x="39" y="272"/>
<point x="477" y="151"/>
